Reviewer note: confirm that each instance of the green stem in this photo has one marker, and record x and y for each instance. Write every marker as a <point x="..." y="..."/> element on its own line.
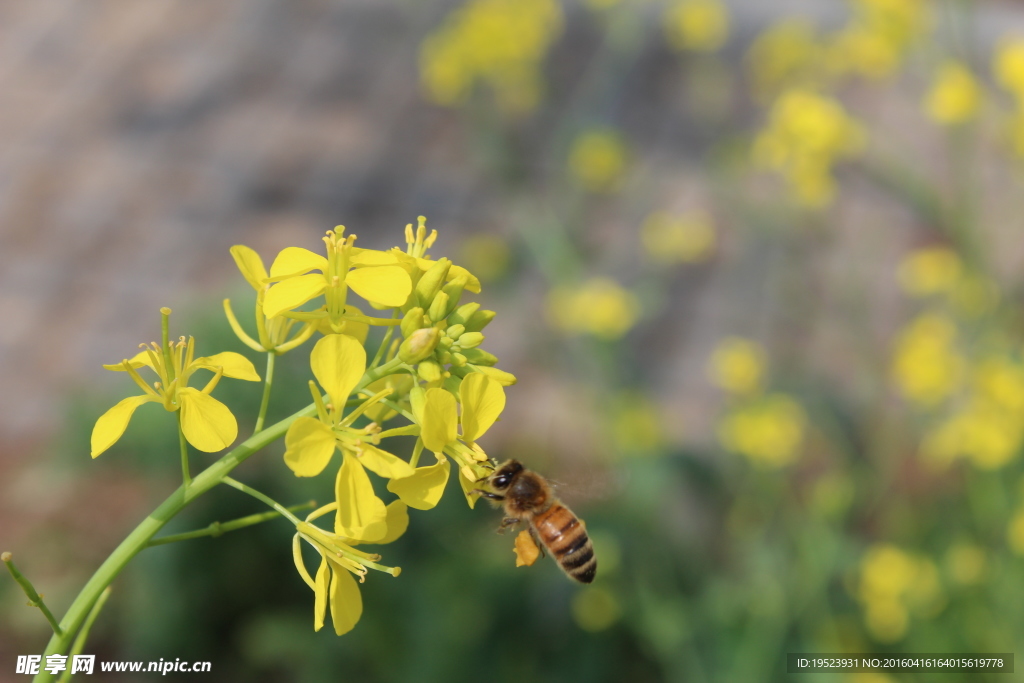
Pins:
<point x="140" y="537"/>
<point x="34" y="599"/>
<point x="383" y="344"/>
<point x="83" y="634"/>
<point x="267" y="382"/>
<point x="186" y="477"/>
<point x="218" y="528"/>
<point x="234" y="483"/>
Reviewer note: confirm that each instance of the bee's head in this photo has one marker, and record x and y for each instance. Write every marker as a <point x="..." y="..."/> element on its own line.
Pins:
<point x="503" y="476"/>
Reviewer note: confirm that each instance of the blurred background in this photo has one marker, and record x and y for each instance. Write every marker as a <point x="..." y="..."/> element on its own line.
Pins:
<point x="757" y="267"/>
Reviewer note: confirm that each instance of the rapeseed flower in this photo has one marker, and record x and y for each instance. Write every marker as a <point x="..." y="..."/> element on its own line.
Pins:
<point x="955" y="95"/>
<point x="697" y="25"/>
<point x="934" y="270"/>
<point x="600" y="307"/>
<point x="1008" y="67"/>
<point x="892" y="583"/>
<point x="738" y="365"/>
<point x="206" y="423"/>
<point x="768" y="430"/>
<point x="598" y="159"/>
<point x="686" y="238"/>
<point x="927" y="365"/>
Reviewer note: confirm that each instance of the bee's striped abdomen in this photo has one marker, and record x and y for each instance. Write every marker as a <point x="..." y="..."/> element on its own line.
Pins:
<point x="565" y="538"/>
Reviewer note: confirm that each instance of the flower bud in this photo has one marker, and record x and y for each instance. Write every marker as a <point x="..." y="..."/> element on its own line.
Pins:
<point x="463" y="313"/>
<point x="429" y="371"/>
<point x="480" y="357"/>
<point x="454" y="291"/>
<point x="503" y="378"/>
<point x="452" y="384"/>
<point x="412" y="321"/>
<point x="470" y="340"/>
<point x="479" y="320"/>
<point x="431" y="281"/>
<point x="439" y="307"/>
<point x="455" y="331"/>
<point x="458" y="360"/>
<point x="445" y="343"/>
<point x="419" y="345"/>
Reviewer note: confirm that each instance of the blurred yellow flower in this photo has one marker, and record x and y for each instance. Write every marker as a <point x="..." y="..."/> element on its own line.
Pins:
<point x="1008" y="66"/>
<point x="875" y="40"/>
<point x="698" y="25"/>
<point x="927" y="367"/>
<point x="805" y="135"/>
<point x="934" y="270"/>
<point x="486" y="255"/>
<point x="768" y="430"/>
<point x="893" y="581"/>
<point x="498" y="42"/>
<point x="597" y="160"/>
<point x="966" y="563"/>
<point x="599" y="306"/>
<point x="687" y="238"/>
<point x="737" y="365"/>
<point x="955" y="95"/>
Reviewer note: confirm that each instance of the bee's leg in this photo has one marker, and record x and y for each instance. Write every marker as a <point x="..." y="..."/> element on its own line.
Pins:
<point x="506" y="523"/>
<point x="487" y="494"/>
<point x="536" y="541"/>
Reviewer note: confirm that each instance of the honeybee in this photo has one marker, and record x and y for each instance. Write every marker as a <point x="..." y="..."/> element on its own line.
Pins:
<point x="527" y="497"/>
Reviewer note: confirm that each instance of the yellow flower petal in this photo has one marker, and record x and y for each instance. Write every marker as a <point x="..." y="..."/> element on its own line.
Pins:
<point x="361" y="514"/>
<point x="383" y="463"/>
<point x="207" y="423"/>
<point x="251" y="265"/>
<point x="388" y="285"/>
<point x="338" y="362"/>
<point x="346" y="601"/>
<point x="235" y="365"/>
<point x="424" y="488"/>
<point x="292" y="293"/>
<point x="309" y="446"/>
<point x="295" y="260"/>
<point x="398" y="521"/>
<point x="323" y="580"/>
<point x="482" y="402"/>
<point x="136" y="361"/>
<point x="440" y="420"/>
<point x="111" y="425"/>
<point x="370" y="257"/>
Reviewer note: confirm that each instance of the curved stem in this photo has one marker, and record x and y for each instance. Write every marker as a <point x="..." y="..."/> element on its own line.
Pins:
<point x="83" y="634"/>
<point x="34" y="599"/>
<point x="139" y="538"/>
<point x="267" y="382"/>
<point x="281" y="509"/>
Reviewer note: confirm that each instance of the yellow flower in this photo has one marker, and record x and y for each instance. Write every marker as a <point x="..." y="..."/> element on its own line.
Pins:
<point x="482" y="400"/>
<point x="1008" y="66"/>
<point x="338" y="363"/>
<point x="597" y="160"/>
<point x="927" y="367"/>
<point x="990" y="437"/>
<point x="805" y="135"/>
<point x="274" y="335"/>
<point x="595" y="608"/>
<point x="768" y="430"/>
<point x="698" y="25"/>
<point x="935" y="270"/>
<point x="636" y="425"/>
<point x="298" y="276"/>
<point x="955" y="95"/>
<point x="599" y="306"/>
<point x="206" y="422"/>
<point x="689" y="238"/>
<point x="737" y="365"/>
<point x="501" y="43"/>
<point x="339" y="561"/>
<point x="891" y="583"/>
